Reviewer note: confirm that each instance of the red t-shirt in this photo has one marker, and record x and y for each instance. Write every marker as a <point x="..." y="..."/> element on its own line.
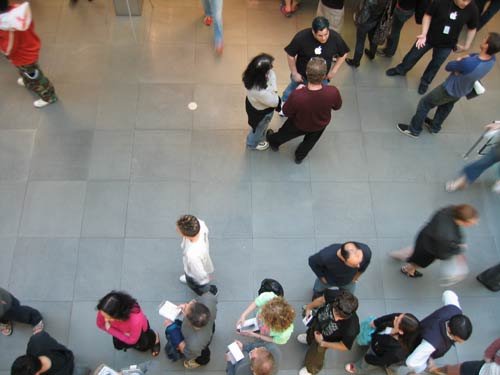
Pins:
<point x="312" y="110"/>
<point x="22" y="47"/>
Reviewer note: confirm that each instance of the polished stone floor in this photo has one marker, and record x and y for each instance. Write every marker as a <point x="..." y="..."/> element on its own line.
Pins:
<point x="90" y="187"/>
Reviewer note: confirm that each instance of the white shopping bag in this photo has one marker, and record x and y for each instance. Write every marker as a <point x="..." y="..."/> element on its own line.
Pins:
<point x="17" y="19"/>
<point x="453" y="270"/>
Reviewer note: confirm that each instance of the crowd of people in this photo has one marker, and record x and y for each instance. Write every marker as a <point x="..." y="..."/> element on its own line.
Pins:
<point x="393" y="342"/>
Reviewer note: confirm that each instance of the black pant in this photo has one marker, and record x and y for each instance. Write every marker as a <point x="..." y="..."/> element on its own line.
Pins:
<point x="21" y="314"/>
<point x="204" y="357"/>
<point x="288" y="131"/>
<point x="146" y="342"/>
<point x="195" y="287"/>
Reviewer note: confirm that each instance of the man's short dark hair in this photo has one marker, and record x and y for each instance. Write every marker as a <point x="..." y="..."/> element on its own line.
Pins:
<point x="199" y="316"/>
<point x="345" y="304"/>
<point x="493" y="43"/>
<point x="26" y="365"/>
<point x="316" y="70"/>
<point x="344" y="252"/>
<point x="320" y="23"/>
<point x="188" y="225"/>
<point x="460" y="326"/>
<point x="4" y="5"/>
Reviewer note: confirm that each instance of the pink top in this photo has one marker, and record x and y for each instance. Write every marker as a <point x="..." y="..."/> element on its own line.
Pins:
<point x="127" y="331"/>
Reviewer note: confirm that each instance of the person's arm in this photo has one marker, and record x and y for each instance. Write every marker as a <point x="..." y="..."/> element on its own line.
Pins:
<point x="422" y="38"/>
<point x="249" y="309"/>
<point x="471" y="33"/>
<point x="329" y="345"/>
<point x="336" y="66"/>
<point x="257" y="336"/>
<point x="491" y="351"/>
<point x="315" y="262"/>
<point x="356" y="277"/>
<point x="450" y="298"/>
<point x="417" y="360"/>
<point x="133" y="330"/>
<point x="292" y="64"/>
<point x="320" y="301"/>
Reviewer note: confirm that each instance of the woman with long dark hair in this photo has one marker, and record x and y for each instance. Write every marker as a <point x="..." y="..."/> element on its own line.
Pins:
<point x="262" y="98"/>
<point x="395" y="337"/>
<point x="121" y="316"/>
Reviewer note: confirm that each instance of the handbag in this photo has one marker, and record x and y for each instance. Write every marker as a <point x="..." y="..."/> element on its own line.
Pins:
<point x="453" y="270"/>
<point x="477" y="89"/>
<point x="383" y="28"/>
<point x="362" y="13"/>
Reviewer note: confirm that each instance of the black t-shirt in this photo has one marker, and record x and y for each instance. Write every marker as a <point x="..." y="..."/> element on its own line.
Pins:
<point x="448" y="20"/>
<point x="42" y="344"/>
<point x="335" y="4"/>
<point x="344" y="330"/>
<point x="304" y="45"/>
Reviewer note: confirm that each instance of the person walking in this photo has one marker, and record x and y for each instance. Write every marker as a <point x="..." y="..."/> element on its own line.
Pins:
<point x="262" y="99"/>
<point x="464" y="72"/>
<point x="213" y="14"/>
<point x="472" y="171"/>
<point x="21" y="45"/>
<point x="441" y="238"/>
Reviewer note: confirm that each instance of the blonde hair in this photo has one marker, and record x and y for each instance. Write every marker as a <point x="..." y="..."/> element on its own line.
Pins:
<point x="278" y="314"/>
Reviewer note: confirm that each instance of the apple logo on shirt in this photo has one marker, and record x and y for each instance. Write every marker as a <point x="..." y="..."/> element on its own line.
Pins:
<point x="317" y="50"/>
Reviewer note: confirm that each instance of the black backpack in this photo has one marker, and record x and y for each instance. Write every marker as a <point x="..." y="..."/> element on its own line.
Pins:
<point x="271" y="285"/>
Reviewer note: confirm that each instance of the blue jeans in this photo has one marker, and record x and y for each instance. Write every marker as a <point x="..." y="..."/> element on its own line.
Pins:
<point x="213" y="8"/>
<point x="400" y="16"/>
<point x="361" y="32"/>
<point x="439" y="56"/>
<point x="473" y="170"/>
<point x="293" y="85"/>
<point x="484" y="17"/>
<point x="253" y="138"/>
<point x="319" y="287"/>
<point x="439" y="98"/>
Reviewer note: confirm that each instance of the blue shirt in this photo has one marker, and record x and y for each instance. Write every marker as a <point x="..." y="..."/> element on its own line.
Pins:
<point x="470" y="69"/>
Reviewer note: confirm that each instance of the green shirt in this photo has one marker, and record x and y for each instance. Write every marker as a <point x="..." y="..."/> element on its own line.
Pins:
<point x="279" y="338"/>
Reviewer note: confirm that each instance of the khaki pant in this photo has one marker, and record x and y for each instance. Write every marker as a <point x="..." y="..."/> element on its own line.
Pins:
<point x="334" y="16"/>
<point x="315" y="356"/>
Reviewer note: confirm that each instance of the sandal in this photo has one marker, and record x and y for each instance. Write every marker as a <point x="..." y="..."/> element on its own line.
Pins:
<point x="6" y="328"/>
<point x="156" y="347"/>
<point x="415" y="274"/>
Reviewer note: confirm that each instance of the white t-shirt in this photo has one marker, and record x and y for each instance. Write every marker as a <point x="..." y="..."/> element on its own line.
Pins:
<point x="196" y="256"/>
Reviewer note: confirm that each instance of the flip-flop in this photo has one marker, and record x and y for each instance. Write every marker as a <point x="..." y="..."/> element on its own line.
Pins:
<point x="415" y="274"/>
<point x="284" y="12"/>
<point x="156" y="347"/>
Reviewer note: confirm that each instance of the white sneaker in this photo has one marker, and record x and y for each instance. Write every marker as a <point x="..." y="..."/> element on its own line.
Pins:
<point x="303" y="371"/>
<point x="20" y="82"/>
<point x="40" y="103"/>
<point x="264" y="145"/>
<point x="302" y="338"/>
<point x="496" y="187"/>
<point x="182" y="279"/>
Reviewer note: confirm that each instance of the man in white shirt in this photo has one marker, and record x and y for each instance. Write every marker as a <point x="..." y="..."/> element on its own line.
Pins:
<point x="440" y="331"/>
<point x="196" y="257"/>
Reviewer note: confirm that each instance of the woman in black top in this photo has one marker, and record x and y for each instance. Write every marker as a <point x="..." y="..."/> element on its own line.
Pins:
<point x="395" y="337"/>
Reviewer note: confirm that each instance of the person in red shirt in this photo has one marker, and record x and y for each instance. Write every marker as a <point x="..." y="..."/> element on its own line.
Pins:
<point x="309" y="111"/>
<point x="22" y="48"/>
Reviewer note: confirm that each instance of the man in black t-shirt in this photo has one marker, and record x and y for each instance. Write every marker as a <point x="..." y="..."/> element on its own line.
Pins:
<point x="441" y="26"/>
<point x="334" y="326"/>
<point x="318" y="41"/>
<point x="339" y="266"/>
<point x="44" y="355"/>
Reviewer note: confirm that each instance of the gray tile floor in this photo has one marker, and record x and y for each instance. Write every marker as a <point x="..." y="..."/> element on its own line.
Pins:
<point x="90" y="187"/>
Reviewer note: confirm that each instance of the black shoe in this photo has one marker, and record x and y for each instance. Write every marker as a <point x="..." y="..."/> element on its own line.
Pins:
<point x="213" y="289"/>
<point x="298" y="161"/>
<point x="428" y="125"/>
<point x="393" y="72"/>
<point x="269" y="133"/>
<point x="352" y="63"/>
<point x="371" y="55"/>
<point x="405" y="129"/>
<point x="422" y="88"/>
